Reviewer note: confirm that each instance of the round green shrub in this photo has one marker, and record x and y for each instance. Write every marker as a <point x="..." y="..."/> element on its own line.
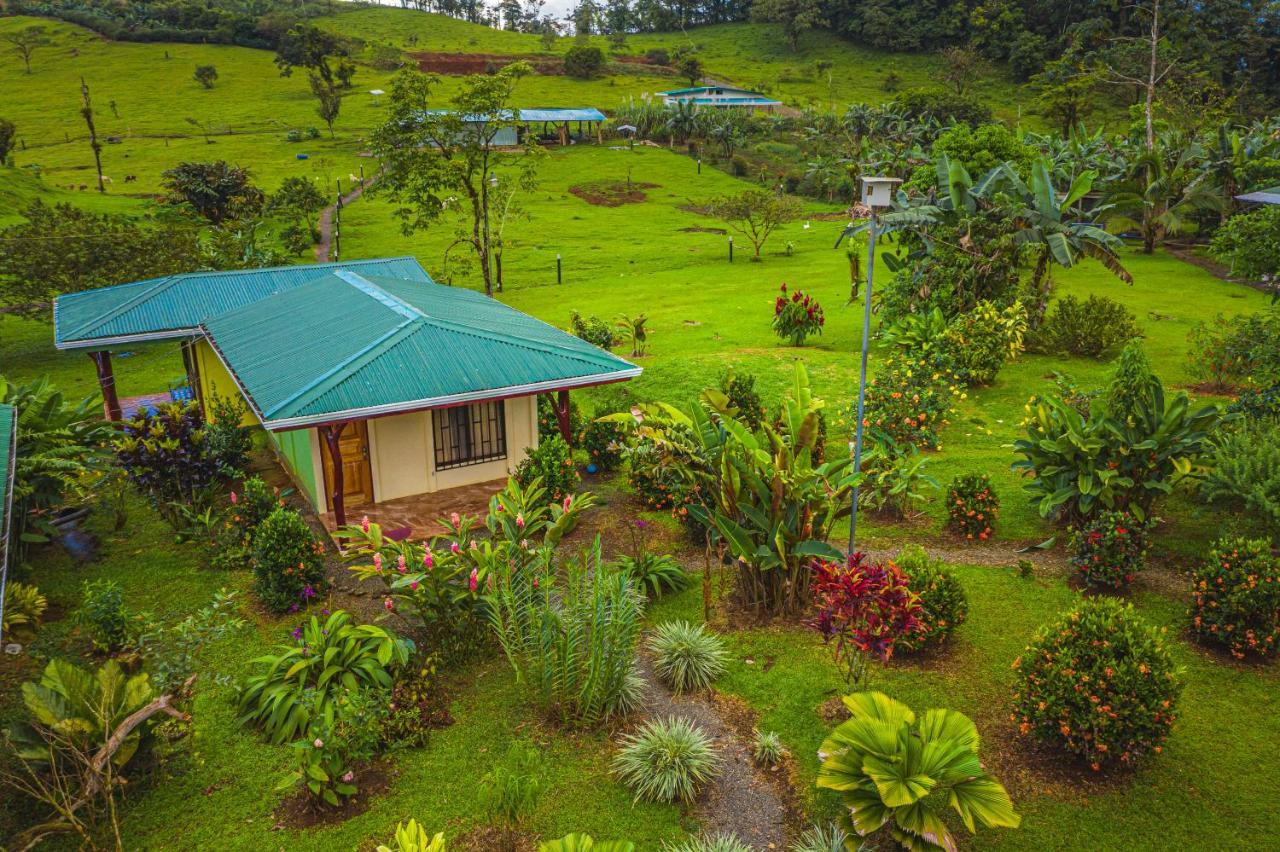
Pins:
<point x="1088" y="327"/>
<point x="1099" y="683"/>
<point x="551" y="462"/>
<point x="666" y="760"/>
<point x="972" y="506"/>
<point x="549" y="424"/>
<point x="943" y="603"/>
<point x="686" y="656"/>
<point x="1236" y="598"/>
<point x="288" y="563"/>
<point x="1109" y="550"/>
<point x="604" y="443"/>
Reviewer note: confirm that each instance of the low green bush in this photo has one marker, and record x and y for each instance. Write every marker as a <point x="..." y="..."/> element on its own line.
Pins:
<point x="1244" y="470"/>
<point x="821" y="837"/>
<point x="943" y="603"/>
<point x="288" y="562"/>
<point x="604" y="443"/>
<point x="653" y="573"/>
<point x="1236" y="352"/>
<point x="1108" y="550"/>
<point x="666" y="760"/>
<point x="1236" y="598"/>
<point x="687" y="657"/>
<point x="1099" y="683"/>
<point x="980" y="341"/>
<point x="104" y="616"/>
<point x="740" y="390"/>
<point x="910" y="397"/>
<point x="227" y="442"/>
<point x="1250" y="243"/>
<point x="341" y="733"/>
<point x="972" y="506"/>
<point x="594" y="330"/>
<point x="720" y="842"/>
<point x="767" y="748"/>
<point x="796" y="316"/>
<point x="1089" y="327"/>
<point x="514" y="785"/>
<point x="551" y="464"/>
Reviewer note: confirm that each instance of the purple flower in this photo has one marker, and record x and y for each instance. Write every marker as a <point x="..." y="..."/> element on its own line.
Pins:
<point x="642" y="524"/>
<point x="308" y="593"/>
<point x="297" y="633"/>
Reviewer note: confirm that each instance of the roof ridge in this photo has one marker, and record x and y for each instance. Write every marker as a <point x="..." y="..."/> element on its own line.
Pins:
<point x="539" y="345"/>
<point x="372" y="290"/>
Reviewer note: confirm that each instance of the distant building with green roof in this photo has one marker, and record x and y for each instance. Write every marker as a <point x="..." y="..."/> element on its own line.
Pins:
<point x="372" y="381"/>
<point x="8" y="456"/>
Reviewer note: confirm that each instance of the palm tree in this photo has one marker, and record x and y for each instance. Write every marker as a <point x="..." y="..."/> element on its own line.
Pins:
<point x="1162" y="189"/>
<point x="682" y="120"/>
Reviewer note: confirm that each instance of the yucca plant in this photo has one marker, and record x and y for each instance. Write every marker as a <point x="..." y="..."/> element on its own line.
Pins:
<point x="686" y="656"/>
<point x="585" y="843"/>
<point x="666" y="760"/>
<point x="571" y="634"/>
<point x="827" y="837"/>
<point x="721" y="842"/>
<point x="767" y="749"/>
<point x="892" y="770"/>
<point x="414" y="838"/>
<point x="330" y="655"/>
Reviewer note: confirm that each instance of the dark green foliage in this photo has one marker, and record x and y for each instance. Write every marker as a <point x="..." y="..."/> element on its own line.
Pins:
<point x="1250" y="243"/>
<point x="104" y="616"/>
<point x="417" y="705"/>
<point x="1236" y="598"/>
<point x="943" y="603"/>
<point x="972" y="506"/>
<point x="206" y="75"/>
<point x="288" y="562"/>
<point x="326" y="660"/>
<point x="740" y="389"/>
<point x="1109" y="550"/>
<point x="215" y="191"/>
<point x="594" y="330"/>
<point x="1130" y="386"/>
<point x="583" y="62"/>
<point x="1239" y="351"/>
<point x="1257" y="404"/>
<point x="979" y="149"/>
<point x="604" y="443"/>
<point x="551" y="462"/>
<point x="942" y="106"/>
<point x="1099" y="683"/>
<point x="8" y="133"/>
<point x="166" y="455"/>
<point x="1090" y="327"/>
<point x="227" y="442"/>
<point x="1244" y="471"/>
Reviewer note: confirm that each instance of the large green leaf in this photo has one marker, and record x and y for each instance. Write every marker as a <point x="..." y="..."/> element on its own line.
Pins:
<point x="983" y="801"/>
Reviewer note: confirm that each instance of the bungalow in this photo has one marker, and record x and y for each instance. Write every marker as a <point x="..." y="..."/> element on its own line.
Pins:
<point x="371" y="381"/>
<point x="548" y="123"/>
<point x="8" y="456"/>
<point x="720" y="96"/>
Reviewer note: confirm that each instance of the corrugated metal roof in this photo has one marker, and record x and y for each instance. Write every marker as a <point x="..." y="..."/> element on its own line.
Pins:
<point x="539" y="114"/>
<point x="175" y="305"/>
<point x="8" y="450"/>
<point x="359" y="345"/>
<point x="702" y="89"/>
<point x="1270" y="195"/>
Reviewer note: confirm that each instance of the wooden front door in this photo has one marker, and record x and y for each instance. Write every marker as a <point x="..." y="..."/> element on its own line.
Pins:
<point x="357" y="475"/>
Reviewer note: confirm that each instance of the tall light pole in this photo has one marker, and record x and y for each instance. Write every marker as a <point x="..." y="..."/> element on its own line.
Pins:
<point x="877" y="194"/>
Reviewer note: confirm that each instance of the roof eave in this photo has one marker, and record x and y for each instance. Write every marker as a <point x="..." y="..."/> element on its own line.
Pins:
<point x="285" y="424"/>
<point x="100" y="342"/>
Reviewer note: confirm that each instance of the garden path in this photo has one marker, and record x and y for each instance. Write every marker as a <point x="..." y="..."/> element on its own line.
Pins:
<point x="741" y="799"/>
<point x="325" y="224"/>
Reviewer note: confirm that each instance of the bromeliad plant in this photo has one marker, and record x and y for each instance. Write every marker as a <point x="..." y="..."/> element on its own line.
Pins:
<point x="442" y="583"/>
<point x="570" y="634"/>
<point x="775" y="504"/>
<point x="333" y="655"/>
<point x="862" y="610"/>
<point x="796" y="316"/>
<point x="654" y="573"/>
<point x="896" y="771"/>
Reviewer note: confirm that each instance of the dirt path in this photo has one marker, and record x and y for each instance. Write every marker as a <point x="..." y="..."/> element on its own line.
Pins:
<point x="740" y="800"/>
<point x="1187" y="254"/>
<point x="325" y="224"/>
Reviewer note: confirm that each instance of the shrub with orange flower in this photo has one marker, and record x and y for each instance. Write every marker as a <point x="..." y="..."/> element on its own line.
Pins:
<point x="909" y="399"/>
<point x="972" y="506"/>
<point x="1109" y="549"/>
<point x="1236" y="598"/>
<point x="1099" y="683"/>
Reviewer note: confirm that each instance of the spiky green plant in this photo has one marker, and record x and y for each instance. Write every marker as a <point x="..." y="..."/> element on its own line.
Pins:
<point x="686" y="656"/>
<point x="655" y="573"/>
<point x="721" y="842"/>
<point x="666" y="760"/>
<point x="585" y="843"/>
<point x="823" y="837"/>
<point x="570" y="634"/>
<point x="896" y="771"/>
<point x="767" y="748"/>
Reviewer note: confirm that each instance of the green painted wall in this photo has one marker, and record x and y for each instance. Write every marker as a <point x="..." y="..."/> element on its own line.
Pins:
<point x="295" y="448"/>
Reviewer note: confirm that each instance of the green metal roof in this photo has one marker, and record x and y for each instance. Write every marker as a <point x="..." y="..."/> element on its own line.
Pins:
<point x="174" y="306"/>
<point x="348" y="345"/>
<point x="8" y="451"/>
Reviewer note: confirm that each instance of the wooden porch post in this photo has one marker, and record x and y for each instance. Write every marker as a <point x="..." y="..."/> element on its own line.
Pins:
<point x="599" y="134"/>
<point x="107" y="381"/>
<point x="564" y="133"/>
<point x="193" y="372"/>
<point x="562" y="416"/>
<point x="331" y="435"/>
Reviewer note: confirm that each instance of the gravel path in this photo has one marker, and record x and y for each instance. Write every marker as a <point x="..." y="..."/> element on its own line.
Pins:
<point x="740" y="800"/>
<point x="325" y="225"/>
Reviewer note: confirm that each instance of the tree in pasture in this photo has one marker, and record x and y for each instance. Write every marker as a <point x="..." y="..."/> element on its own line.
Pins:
<point x="328" y="101"/>
<point x="690" y="68"/>
<point x="756" y="213"/>
<point x="217" y="191"/>
<point x="796" y="16"/>
<point x="8" y="134"/>
<point x="583" y="62"/>
<point x="86" y="112"/>
<point x="1162" y="190"/>
<point x="205" y="75"/>
<point x="307" y="46"/>
<point x="436" y="162"/>
<point x="1066" y="96"/>
<point x="548" y="34"/>
<point x="26" y="40"/>
<point x="62" y="249"/>
<point x="298" y="198"/>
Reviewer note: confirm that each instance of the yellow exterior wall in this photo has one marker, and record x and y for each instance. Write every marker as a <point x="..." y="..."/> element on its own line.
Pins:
<point x="216" y="381"/>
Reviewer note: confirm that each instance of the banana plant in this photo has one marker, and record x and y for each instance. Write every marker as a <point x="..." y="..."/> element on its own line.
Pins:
<point x="892" y="770"/>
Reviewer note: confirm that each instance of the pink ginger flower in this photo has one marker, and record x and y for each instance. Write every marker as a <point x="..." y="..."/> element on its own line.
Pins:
<point x="413" y="585"/>
<point x="233" y="498"/>
<point x="455" y="520"/>
<point x="520" y="520"/>
<point x="388" y="604"/>
<point x="473" y="580"/>
<point x="319" y="743"/>
<point x="377" y="561"/>
<point x="349" y="777"/>
<point x="428" y="561"/>
<point x="568" y="501"/>
<point x="454" y="547"/>
<point x="364" y="523"/>
<point x="400" y="566"/>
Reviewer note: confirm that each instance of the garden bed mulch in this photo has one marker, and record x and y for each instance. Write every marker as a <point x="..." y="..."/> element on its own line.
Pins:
<point x="612" y="193"/>
<point x="299" y="809"/>
<point x="743" y="799"/>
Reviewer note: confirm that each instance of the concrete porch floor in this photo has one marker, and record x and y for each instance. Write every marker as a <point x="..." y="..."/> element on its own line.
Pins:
<point x="422" y="513"/>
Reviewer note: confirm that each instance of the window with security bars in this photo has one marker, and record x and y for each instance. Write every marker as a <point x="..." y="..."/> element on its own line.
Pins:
<point x="469" y="434"/>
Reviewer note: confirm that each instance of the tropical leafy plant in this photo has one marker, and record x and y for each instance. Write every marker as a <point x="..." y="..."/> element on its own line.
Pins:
<point x="288" y="565"/>
<point x="687" y="657"/>
<point x="828" y="837"/>
<point x="767" y="748"/>
<point x="104" y="615"/>
<point x="1100" y="683"/>
<point x="796" y="316"/>
<point x="632" y="330"/>
<point x="666" y="760"/>
<point x="862" y="610"/>
<point x="895" y="482"/>
<point x="1244" y="470"/>
<point x="972" y="506"/>
<point x="333" y="655"/>
<point x="1089" y="327"/>
<point x="981" y="340"/>
<point x="653" y="572"/>
<point x="892" y="769"/>
<point x="549" y="465"/>
<point x="23" y="608"/>
<point x="570" y="634"/>
<point x="585" y="843"/>
<point x="165" y="454"/>
<point x="944" y="606"/>
<point x="514" y="785"/>
<point x="916" y="333"/>
<point x="412" y="837"/>
<point x="723" y="841"/>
